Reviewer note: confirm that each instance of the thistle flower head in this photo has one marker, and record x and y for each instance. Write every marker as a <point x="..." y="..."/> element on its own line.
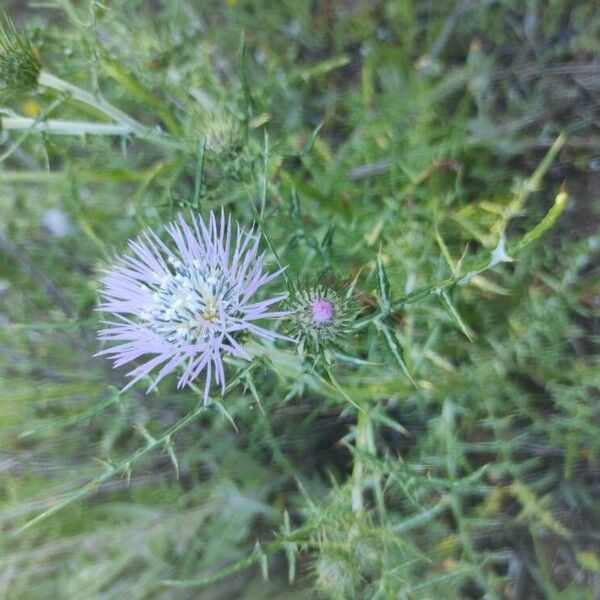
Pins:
<point x="320" y="317"/>
<point x="190" y="305"/>
<point x="223" y="134"/>
<point x="221" y="131"/>
<point x="19" y="64"/>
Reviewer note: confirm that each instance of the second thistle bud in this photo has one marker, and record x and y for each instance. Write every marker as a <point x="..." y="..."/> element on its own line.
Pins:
<point x="20" y="66"/>
<point x="224" y="136"/>
<point x="336" y="577"/>
<point x="221" y="131"/>
<point x="320" y="318"/>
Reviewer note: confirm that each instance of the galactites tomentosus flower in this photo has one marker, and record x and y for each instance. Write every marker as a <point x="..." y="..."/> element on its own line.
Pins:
<point x="20" y="66"/>
<point x="188" y="306"/>
<point x="320" y="318"/>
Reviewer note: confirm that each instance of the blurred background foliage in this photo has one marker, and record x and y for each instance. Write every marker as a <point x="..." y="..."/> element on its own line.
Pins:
<point x="398" y="129"/>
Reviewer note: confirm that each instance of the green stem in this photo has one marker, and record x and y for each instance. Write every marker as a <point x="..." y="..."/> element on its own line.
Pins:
<point x="498" y="255"/>
<point x="40" y="117"/>
<point x="138" y="129"/>
<point x="60" y="127"/>
<point x="297" y="537"/>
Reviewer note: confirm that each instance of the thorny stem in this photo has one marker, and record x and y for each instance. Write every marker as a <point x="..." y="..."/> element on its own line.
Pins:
<point x="259" y="553"/>
<point x="499" y="253"/>
<point x="133" y="127"/>
<point x="118" y="469"/>
<point x="124" y="467"/>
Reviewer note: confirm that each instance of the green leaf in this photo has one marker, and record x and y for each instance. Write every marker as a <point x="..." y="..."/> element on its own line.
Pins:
<point x="392" y="341"/>
<point x="171" y="452"/>
<point x="382" y="418"/>
<point x="454" y="315"/>
<point x="328" y="237"/>
<point x="445" y="252"/>
<point x="264" y="562"/>
<point x="309" y="145"/>
<point x="384" y="285"/>
<point x="560" y="203"/>
<point x="249" y="104"/>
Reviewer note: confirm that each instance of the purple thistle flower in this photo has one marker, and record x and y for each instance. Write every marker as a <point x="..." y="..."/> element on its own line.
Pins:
<point x="188" y="306"/>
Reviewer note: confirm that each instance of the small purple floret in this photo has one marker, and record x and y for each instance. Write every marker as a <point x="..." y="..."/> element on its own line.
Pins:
<point x="188" y="304"/>
<point x="322" y="311"/>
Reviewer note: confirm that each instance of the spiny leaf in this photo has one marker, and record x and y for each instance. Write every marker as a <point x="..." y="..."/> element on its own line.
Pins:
<point x="240" y="565"/>
<point x="264" y="562"/>
<point x="199" y="174"/>
<point x="384" y="285"/>
<point x="328" y="237"/>
<point x="422" y="517"/>
<point x="122" y="467"/>
<point x="146" y="434"/>
<point x="560" y="203"/>
<point x="249" y="103"/>
<point x="445" y="251"/>
<point x="224" y="412"/>
<point x="249" y="382"/>
<point x="454" y="315"/>
<point x="340" y="389"/>
<point x="170" y="448"/>
<point x="392" y="341"/>
<point x="380" y="416"/>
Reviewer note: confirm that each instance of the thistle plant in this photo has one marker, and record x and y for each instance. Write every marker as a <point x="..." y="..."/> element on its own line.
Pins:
<point x="429" y="438"/>
<point x="189" y="306"/>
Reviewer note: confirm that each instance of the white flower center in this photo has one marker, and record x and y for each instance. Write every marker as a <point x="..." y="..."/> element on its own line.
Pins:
<point x="187" y="306"/>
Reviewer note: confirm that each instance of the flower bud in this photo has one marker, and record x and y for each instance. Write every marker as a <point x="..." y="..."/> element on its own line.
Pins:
<point x="336" y="577"/>
<point x="320" y="317"/>
<point x="221" y="131"/>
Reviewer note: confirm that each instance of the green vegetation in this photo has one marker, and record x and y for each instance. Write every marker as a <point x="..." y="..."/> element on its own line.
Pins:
<point x="438" y="162"/>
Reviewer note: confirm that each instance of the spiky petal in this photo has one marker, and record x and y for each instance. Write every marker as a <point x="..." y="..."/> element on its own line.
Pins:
<point x="189" y="303"/>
